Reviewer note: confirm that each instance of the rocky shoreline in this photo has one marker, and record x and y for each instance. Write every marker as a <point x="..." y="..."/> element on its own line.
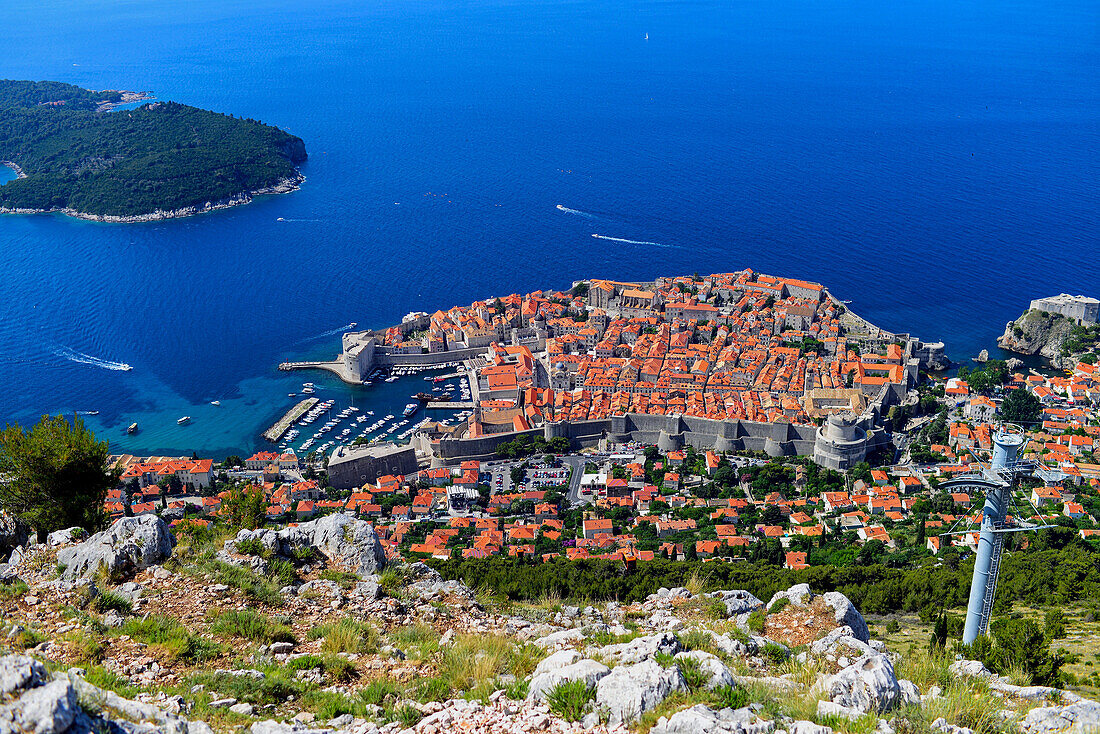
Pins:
<point x="14" y="167"/>
<point x="284" y="186"/>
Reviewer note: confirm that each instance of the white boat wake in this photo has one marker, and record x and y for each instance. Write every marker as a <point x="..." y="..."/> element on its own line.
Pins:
<point x="578" y="212"/>
<point x="630" y="242"/>
<point x="341" y="330"/>
<point x="80" y="358"/>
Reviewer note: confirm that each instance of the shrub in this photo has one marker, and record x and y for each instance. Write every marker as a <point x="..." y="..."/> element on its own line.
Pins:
<point x="569" y="699"/>
<point x="774" y="653"/>
<point x="1018" y="646"/>
<point x="250" y="626"/>
<point x="252" y="547"/>
<point x="733" y="697"/>
<point x="756" y="621"/>
<point x="692" y="670"/>
<point x="779" y="605"/>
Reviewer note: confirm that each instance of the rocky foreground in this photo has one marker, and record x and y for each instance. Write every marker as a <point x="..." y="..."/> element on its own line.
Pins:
<point x="307" y="630"/>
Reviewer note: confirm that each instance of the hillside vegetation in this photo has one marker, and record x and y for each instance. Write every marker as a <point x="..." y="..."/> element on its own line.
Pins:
<point x="79" y="154"/>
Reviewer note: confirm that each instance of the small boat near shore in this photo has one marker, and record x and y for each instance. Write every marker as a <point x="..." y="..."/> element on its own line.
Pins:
<point x="132" y="429"/>
<point x="183" y="421"/>
<point x="215" y="402"/>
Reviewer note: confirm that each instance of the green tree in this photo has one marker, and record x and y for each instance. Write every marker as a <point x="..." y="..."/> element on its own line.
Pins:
<point x="245" y="507"/>
<point x="518" y="473"/>
<point x="1021" y="407"/>
<point x="57" y="475"/>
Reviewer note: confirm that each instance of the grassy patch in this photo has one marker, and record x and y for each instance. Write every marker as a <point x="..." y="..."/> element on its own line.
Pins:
<point x="271" y="689"/>
<point x="698" y="639"/>
<point x="416" y="640"/>
<point x="87" y="647"/>
<point x="569" y="699"/>
<point x="779" y="605"/>
<point x="756" y="621"/>
<point x="379" y="691"/>
<point x="345" y="579"/>
<point x="14" y="590"/>
<point x="336" y="668"/>
<point x="245" y="580"/>
<point x="692" y="670"/>
<point x="107" y="600"/>
<point x="252" y="547"/>
<point x="172" y="637"/>
<point x="346" y="635"/>
<point x="249" y="625"/>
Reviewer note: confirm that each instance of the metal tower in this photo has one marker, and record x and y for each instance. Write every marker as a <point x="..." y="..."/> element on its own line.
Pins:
<point x="997" y="480"/>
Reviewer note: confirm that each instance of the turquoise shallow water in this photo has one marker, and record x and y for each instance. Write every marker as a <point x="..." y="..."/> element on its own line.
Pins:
<point x="934" y="163"/>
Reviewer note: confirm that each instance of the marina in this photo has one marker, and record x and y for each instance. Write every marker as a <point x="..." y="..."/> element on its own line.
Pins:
<point x="276" y="432"/>
<point x="382" y="409"/>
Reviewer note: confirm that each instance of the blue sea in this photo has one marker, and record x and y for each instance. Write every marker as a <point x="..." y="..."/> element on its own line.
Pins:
<point x="936" y="163"/>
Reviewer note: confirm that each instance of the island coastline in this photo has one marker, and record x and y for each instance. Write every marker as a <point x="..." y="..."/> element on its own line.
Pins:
<point x="285" y="186"/>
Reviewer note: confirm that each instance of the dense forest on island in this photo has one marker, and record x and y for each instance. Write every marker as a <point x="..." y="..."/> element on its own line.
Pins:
<point x="78" y="152"/>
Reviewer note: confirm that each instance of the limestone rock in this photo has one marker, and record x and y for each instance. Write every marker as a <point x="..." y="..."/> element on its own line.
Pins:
<point x="738" y="602"/>
<point x="798" y="595"/>
<point x="641" y="648"/>
<point x="845" y="613"/>
<point x="47" y="709"/>
<point x="808" y="727"/>
<point x="19" y="672"/>
<point x="1081" y="717"/>
<point x="13" y="534"/>
<point x="129" y="545"/>
<point x="554" y="671"/>
<point x="838" y="642"/>
<point x="343" y="539"/>
<point x="627" y="692"/>
<point x="700" y="719"/>
<point x="868" y="684"/>
<point x="969" y="669"/>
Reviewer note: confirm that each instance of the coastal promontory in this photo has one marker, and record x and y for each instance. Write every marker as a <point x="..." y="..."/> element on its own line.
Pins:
<point x="79" y="152"/>
<point x="1063" y="329"/>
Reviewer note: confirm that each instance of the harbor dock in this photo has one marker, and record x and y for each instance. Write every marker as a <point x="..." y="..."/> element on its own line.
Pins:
<point x="276" y="432"/>
<point x="450" y="405"/>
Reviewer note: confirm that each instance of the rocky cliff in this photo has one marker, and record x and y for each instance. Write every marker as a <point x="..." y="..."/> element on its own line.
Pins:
<point x="1048" y="335"/>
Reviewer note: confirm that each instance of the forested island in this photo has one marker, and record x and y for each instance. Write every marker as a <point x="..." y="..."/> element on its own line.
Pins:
<point x="76" y="153"/>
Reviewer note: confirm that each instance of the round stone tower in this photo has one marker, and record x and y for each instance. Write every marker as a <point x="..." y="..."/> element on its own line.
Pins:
<point x="840" y="443"/>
